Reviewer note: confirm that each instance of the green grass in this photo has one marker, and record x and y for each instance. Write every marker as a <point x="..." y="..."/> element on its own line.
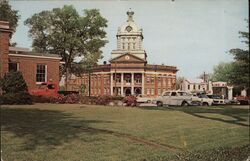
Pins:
<point x="54" y="132"/>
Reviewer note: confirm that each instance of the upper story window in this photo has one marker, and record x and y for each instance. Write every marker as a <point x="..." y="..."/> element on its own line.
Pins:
<point x="13" y="66"/>
<point x="134" y="46"/>
<point x="41" y="73"/>
<point x="123" y="46"/>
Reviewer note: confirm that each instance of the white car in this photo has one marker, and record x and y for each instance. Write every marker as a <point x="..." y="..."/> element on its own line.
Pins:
<point x="177" y="98"/>
<point x="205" y="100"/>
<point x="142" y="99"/>
<point x="217" y="99"/>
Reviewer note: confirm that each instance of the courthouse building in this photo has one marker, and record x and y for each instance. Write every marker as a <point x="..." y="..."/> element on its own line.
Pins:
<point x="128" y="72"/>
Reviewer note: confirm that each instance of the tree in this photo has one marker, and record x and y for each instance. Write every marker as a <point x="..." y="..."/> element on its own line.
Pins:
<point x="235" y="73"/>
<point x="205" y="76"/>
<point x="13" y="82"/>
<point x="222" y="72"/>
<point x="8" y="14"/>
<point x="85" y="66"/>
<point x="178" y="82"/>
<point x="64" y="32"/>
<point x="15" y="90"/>
<point x="240" y="72"/>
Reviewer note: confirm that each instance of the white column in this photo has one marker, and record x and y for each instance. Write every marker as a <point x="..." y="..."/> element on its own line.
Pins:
<point x="122" y="84"/>
<point x="142" y="81"/>
<point x="132" y="83"/>
<point x="243" y="92"/>
<point x="230" y="92"/>
<point x="111" y="84"/>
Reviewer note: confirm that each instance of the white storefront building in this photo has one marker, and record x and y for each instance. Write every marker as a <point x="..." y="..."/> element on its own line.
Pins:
<point x="208" y="87"/>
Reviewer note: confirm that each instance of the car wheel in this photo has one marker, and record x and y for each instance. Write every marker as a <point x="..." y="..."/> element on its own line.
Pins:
<point x="204" y="104"/>
<point x="184" y="104"/>
<point x="159" y="104"/>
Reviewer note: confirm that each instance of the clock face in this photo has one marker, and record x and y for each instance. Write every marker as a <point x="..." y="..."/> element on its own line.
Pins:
<point x="127" y="57"/>
<point x="129" y="28"/>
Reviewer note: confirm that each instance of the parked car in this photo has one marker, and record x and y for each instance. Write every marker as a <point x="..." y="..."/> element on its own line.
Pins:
<point x="176" y="98"/>
<point x="217" y="99"/>
<point x="205" y="100"/>
<point x="143" y="99"/>
<point x="243" y="100"/>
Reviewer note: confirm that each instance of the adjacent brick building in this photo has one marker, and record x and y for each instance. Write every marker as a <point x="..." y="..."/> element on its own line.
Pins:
<point x="35" y="67"/>
<point x="128" y="71"/>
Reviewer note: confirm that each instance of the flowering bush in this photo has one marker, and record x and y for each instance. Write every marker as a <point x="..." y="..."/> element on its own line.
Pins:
<point x="70" y="99"/>
<point x="43" y="99"/>
<point x="103" y="100"/>
<point x="130" y="100"/>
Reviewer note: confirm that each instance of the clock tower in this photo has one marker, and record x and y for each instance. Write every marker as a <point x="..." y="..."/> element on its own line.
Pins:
<point x="129" y="39"/>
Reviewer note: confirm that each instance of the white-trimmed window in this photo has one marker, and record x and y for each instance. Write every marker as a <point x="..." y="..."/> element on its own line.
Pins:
<point x="13" y="66"/>
<point x="159" y="91"/>
<point x="41" y="73"/>
<point x="152" y="91"/>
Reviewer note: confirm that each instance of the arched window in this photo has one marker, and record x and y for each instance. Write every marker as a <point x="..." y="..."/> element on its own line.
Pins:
<point x="123" y="46"/>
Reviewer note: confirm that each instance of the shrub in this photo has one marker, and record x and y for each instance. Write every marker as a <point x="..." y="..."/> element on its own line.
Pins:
<point x="13" y="82"/>
<point x="15" y="89"/>
<point x="130" y="100"/>
<point x="103" y="100"/>
<point x="119" y="98"/>
<point x="43" y="99"/>
<point x="16" y="98"/>
<point x="70" y="98"/>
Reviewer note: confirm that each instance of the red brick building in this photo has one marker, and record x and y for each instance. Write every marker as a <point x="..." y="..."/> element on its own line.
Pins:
<point x="128" y="71"/>
<point x="35" y="67"/>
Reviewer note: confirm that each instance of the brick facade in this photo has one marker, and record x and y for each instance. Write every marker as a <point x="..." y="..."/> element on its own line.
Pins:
<point x="4" y="47"/>
<point x="28" y="66"/>
<point x="26" y="61"/>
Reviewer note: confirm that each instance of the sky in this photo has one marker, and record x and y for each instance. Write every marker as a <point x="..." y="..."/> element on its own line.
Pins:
<point x="193" y="35"/>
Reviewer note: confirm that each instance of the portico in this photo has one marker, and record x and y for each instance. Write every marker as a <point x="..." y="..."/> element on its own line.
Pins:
<point x="125" y="83"/>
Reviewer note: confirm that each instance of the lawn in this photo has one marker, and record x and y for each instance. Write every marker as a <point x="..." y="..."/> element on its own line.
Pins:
<point x="54" y="132"/>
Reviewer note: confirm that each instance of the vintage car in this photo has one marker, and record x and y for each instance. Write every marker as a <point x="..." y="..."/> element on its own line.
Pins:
<point x="205" y="100"/>
<point x="143" y="99"/>
<point x="217" y="99"/>
<point x="177" y="98"/>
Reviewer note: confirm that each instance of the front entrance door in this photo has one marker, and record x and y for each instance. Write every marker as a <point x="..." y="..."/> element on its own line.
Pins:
<point x="137" y="90"/>
<point x="127" y="91"/>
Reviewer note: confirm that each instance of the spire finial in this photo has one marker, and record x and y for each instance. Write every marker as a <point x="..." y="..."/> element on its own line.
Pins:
<point x="130" y="14"/>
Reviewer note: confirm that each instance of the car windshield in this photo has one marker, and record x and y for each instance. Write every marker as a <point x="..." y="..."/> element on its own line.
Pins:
<point x="203" y="96"/>
<point x="217" y="97"/>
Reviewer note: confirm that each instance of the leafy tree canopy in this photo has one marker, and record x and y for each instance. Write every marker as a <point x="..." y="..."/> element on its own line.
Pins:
<point x="240" y="72"/>
<point x="64" y="32"/>
<point x="236" y="72"/>
<point x="8" y="14"/>
<point x="222" y="72"/>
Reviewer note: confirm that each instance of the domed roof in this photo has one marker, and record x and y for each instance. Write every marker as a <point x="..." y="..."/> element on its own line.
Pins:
<point x="130" y="26"/>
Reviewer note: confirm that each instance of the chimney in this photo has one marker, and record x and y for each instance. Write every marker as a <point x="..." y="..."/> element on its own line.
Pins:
<point x="4" y="47"/>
